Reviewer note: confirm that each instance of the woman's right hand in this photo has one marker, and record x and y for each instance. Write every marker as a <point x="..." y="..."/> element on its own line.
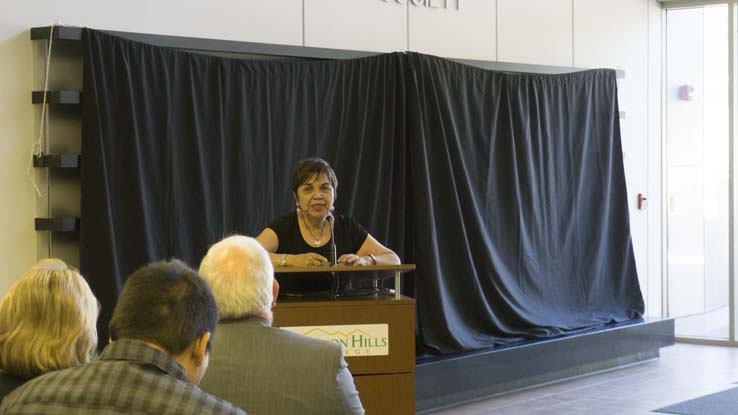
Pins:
<point x="309" y="259"/>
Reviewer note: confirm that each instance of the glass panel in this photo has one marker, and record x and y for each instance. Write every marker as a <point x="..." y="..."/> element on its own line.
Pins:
<point x="697" y="145"/>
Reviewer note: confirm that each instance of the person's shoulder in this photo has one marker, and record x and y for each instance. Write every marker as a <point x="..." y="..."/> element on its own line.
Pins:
<point x="352" y="227"/>
<point x="56" y="376"/>
<point x="185" y="398"/>
<point x="340" y="217"/>
<point x="347" y="221"/>
<point x="211" y="404"/>
<point x="242" y="327"/>
<point x="250" y="330"/>
<point x="285" y="221"/>
<point x="317" y="358"/>
<point x="306" y="343"/>
<point x="49" y="383"/>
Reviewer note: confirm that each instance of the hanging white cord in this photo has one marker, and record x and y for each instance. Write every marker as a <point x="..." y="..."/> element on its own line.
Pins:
<point x="38" y="146"/>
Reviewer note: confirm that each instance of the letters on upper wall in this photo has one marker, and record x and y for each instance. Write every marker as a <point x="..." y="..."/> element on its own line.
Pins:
<point x="433" y="4"/>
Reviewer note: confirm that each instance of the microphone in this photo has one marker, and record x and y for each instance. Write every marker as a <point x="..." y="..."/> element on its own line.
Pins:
<point x="332" y="247"/>
<point x="332" y="255"/>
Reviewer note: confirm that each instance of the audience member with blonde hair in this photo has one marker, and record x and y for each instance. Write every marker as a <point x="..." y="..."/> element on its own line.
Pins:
<point x="47" y="322"/>
<point x="160" y="336"/>
<point x="262" y="369"/>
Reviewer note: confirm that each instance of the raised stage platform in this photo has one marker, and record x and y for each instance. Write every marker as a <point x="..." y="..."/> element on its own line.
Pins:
<point x="441" y="382"/>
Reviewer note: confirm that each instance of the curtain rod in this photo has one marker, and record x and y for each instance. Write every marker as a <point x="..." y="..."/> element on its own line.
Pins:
<point x="254" y="50"/>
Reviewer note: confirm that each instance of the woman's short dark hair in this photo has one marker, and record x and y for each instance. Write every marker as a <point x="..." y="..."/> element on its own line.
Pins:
<point x="165" y="303"/>
<point x="308" y="168"/>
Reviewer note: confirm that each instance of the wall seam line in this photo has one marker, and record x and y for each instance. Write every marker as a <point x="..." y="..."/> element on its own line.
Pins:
<point x="572" y="34"/>
<point x="304" y="43"/>
<point x="497" y="31"/>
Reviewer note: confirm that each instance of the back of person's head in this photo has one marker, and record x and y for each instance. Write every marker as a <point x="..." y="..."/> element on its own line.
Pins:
<point x="165" y="303"/>
<point x="47" y="321"/>
<point x="241" y="277"/>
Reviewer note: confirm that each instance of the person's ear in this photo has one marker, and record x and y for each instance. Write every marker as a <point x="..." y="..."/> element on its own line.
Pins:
<point x="297" y="204"/>
<point x="275" y="292"/>
<point x="200" y="349"/>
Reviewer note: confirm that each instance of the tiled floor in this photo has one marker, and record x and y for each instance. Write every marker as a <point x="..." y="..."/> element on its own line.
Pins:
<point x="684" y="371"/>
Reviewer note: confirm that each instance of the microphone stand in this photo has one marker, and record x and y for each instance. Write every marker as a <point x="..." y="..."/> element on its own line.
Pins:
<point x="332" y="255"/>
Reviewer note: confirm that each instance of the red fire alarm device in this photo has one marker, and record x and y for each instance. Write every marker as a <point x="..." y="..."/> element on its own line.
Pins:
<point x="641" y="201"/>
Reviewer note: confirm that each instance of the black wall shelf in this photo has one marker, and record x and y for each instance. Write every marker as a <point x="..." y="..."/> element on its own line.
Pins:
<point x="57" y="161"/>
<point x="57" y="224"/>
<point x="57" y="97"/>
<point x="60" y="33"/>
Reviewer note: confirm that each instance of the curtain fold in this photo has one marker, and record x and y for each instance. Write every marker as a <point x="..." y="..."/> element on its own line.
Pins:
<point x="507" y="190"/>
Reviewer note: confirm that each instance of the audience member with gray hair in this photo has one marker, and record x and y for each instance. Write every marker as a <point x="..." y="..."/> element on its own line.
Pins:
<point x="262" y="369"/>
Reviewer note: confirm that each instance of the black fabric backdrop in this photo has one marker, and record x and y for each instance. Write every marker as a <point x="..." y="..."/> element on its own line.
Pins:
<point x="521" y="184"/>
<point x="506" y="190"/>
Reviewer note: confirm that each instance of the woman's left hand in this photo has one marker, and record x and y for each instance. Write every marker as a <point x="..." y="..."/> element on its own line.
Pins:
<point x="353" y="259"/>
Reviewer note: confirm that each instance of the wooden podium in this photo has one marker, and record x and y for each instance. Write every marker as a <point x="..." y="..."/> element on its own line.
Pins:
<point x="383" y="373"/>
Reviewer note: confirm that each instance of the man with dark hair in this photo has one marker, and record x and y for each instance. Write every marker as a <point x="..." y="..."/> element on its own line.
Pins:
<point x="161" y="331"/>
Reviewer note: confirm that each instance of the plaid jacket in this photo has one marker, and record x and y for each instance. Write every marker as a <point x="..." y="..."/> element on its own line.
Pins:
<point x="127" y="378"/>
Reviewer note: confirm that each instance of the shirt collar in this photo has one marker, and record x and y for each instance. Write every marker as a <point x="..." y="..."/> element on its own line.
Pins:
<point x="134" y="350"/>
<point x="250" y="320"/>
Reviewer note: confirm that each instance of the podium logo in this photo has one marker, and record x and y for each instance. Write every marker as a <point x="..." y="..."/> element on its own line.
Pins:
<point x="356" y="340"/>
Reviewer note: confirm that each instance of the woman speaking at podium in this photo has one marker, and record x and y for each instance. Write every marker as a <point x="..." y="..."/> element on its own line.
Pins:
<point x="303" y="238"/>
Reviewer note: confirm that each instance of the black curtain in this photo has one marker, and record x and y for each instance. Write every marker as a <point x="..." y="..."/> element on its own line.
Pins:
<point x="182" y="149"/>
<point x="506" y="190"/>
<point x="520" y="181"/>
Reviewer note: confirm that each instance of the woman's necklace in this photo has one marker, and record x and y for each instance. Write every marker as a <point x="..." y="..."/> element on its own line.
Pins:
<point x="319" y="238"/>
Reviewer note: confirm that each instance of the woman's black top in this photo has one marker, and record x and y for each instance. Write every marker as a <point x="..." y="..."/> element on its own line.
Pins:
<point x="349" y="234"/>
<point x="8" y="383"/>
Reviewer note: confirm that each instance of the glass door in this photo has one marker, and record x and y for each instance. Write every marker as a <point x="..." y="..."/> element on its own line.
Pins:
<point x="698" y="168"/>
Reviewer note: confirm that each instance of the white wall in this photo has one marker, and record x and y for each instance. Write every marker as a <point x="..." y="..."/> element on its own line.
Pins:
<point x="580" y="33"/>
<point x="467" y="33"/>
<point x="17" y="249"/>
<point x="355" y="24"/>
<point x="535" y="31"/>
